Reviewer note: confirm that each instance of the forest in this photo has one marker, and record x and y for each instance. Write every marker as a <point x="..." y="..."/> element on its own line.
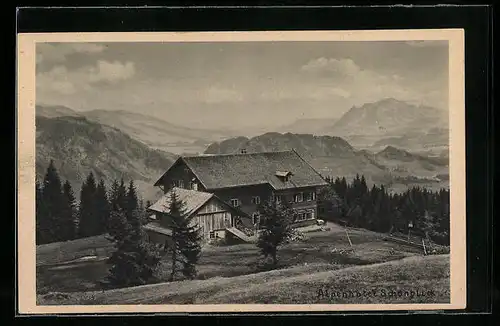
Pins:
<point x="60" y="218"/>
<point x="355" y="204"/>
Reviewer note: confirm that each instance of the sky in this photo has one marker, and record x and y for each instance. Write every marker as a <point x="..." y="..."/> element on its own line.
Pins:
<point x="240" y="84"/>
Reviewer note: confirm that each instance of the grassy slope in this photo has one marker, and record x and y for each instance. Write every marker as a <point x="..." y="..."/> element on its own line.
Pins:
<point x="299" y="285"/>
<point x="233" y="269"/>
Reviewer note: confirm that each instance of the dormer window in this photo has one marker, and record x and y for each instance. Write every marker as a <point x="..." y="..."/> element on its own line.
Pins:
<point x="284" y="175"/>
<point x="235" y="202"/>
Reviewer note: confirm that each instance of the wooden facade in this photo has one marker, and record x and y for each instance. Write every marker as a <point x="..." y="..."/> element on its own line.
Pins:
<point x="212" y="218"/>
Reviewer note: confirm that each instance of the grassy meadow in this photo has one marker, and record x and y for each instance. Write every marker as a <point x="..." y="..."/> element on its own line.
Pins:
<point x="321" y="269"/>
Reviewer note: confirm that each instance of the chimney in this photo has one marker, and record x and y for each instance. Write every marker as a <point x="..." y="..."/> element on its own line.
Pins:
<point x="243" y="151"/>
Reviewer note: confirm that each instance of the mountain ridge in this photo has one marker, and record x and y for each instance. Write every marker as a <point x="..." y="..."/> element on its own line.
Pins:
<point x="387" y="117"/>
<point x="334" y="156"/>
<point x="154" y="132"/>
<point x="79" y="146"/>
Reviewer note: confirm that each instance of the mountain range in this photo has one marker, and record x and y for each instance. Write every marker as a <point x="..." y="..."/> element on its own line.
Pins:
<point x="334" y="156"/>
<point x="389" y="117"/>
<point x="408" y="145"/>
<point x="79" y="146"/>
<point x="388" y="122"/>
<point x="154" y="132"/>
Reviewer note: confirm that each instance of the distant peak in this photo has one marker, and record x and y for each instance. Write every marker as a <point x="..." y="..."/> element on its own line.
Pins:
<point x="394" y="151"/>
<point x="390" y="99"/>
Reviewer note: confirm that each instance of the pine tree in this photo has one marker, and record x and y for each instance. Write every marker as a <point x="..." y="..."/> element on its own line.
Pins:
<point x="53" y="200"/>
<point x="275" y="222"/>
<point x="135" y="260"/>
<point x="186" y="239"/>
<point x="102" y="208"/>
<point x="42" y="221"/>
<point x="131" y="200"/>
<point x="113" y="196"/>
<point x="363" y="186"/>
<point x="177" y="212"/>
<point x="190" y="247"/>
<point x="88" y="220"/>
<point x="117" y="225"/>
<point x="69" y="212"/>
<point x="118" y="195"/>
<point x="329" y="201"/>
<point x="118" y="206"/>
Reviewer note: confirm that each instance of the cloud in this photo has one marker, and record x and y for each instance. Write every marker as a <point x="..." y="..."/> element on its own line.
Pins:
<point x="60" y="80"/>
<point x="338" y="67"/>
<point x="55" y="81"/>
<point x="111" y="71"/>
<point x="346" y="79"/>
<point x="58" y="52"/>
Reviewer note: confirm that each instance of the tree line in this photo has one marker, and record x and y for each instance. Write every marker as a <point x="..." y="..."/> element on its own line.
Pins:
<point x="60" y="218"/>
<point x="422" y="210"/>
<point x="120" y="214"/>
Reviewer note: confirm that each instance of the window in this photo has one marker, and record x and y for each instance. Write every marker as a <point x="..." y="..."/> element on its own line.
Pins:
<point x="255" y="218"/>
<point x="179" y="183"/>
<point x="298" y="198"/>
<point x="308" y="196"/>
<point x="211" y="207"/>
<point x="194" y="186"/>
<point x="310" y="215"/>
<point x="278" y="199"/>
<point x="313" y="195"/>
<point x="235" y="202"/>
<point x="300" y="217"/>
<point x="256" y="200"/>
<point x="212" y="235"/>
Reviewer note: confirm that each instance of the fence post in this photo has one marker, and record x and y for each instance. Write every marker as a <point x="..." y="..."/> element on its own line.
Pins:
<point x="348" y="238"/>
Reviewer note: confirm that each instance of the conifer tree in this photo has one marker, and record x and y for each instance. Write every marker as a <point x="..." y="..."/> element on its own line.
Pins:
<point x="102" y="208"/>
<point x="53" y="200"/>
<point x="177" y="212"/>
<point x="117" y="225"/>
<point x="69" y="212"/>
<point x="113" y="193"/>
<point x="135" y="260"/>
<point x="186" y="240"/>
<point x="131" y="200"/>
<point x="119" y="198"/>
<point x="275" y="223"/>
<point x="88" y="219"/>
<point x="42" y="222"/>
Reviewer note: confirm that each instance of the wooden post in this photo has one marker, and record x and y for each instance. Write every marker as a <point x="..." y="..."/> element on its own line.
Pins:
<point x="410" y="226"/>
<point x="348" y="238"/>
<point x="423" y="244"/>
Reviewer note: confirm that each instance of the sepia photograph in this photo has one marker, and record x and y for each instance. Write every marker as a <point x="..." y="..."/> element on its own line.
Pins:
<point x="225" y="171"/>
